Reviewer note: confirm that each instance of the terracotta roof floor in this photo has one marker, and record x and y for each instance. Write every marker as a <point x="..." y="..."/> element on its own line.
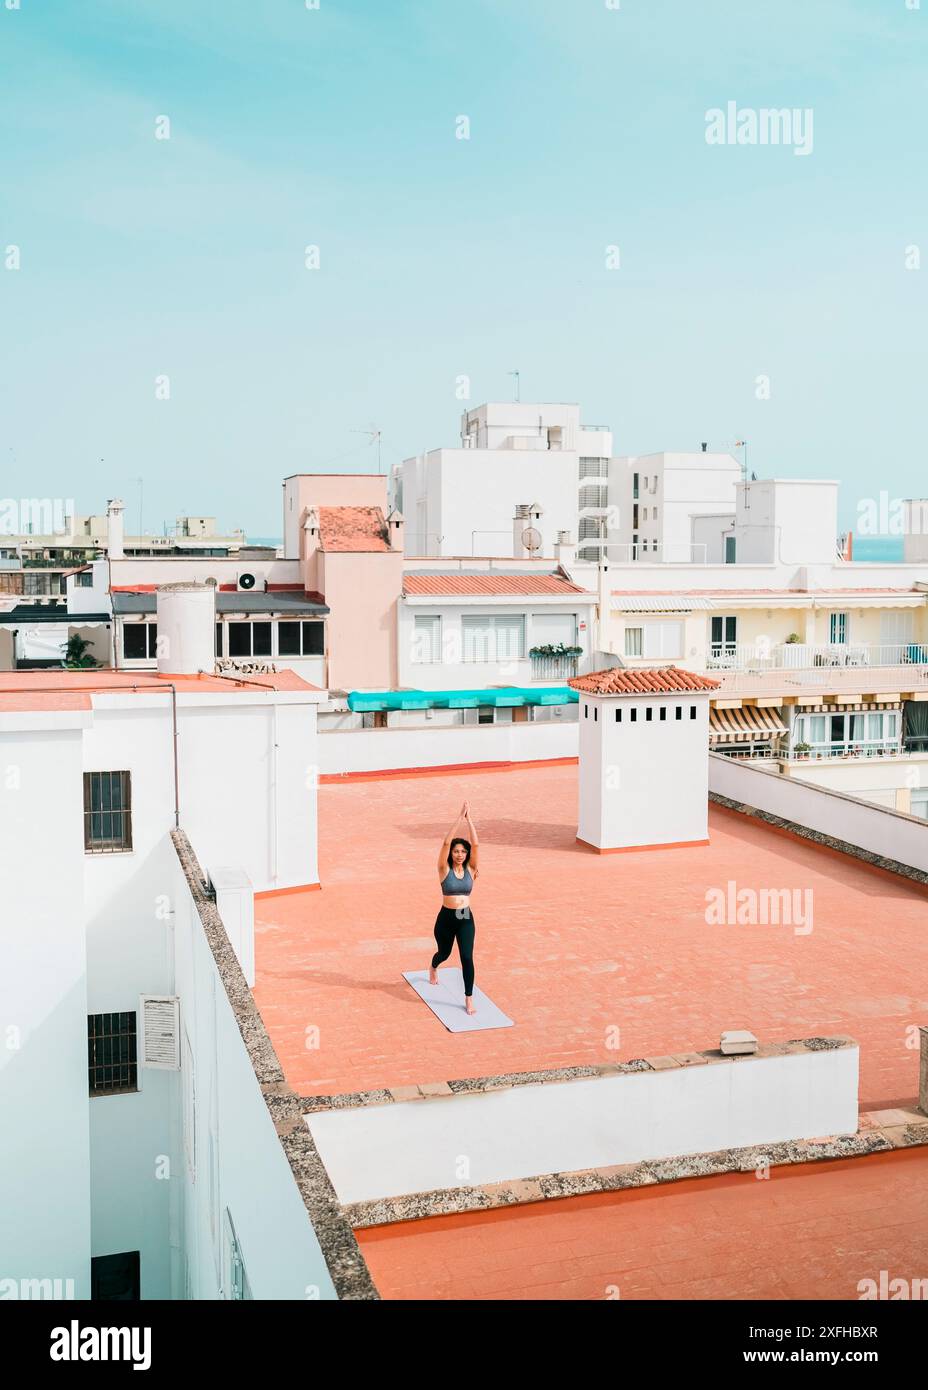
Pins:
<point x="574" y="945"/>
<point x="811" y="1232"/>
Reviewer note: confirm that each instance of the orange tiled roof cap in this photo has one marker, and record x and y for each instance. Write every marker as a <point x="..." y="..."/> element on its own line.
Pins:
<point x="352" y="528"/>
<point x="489" y="584"/>
<point x="663" y="680"/>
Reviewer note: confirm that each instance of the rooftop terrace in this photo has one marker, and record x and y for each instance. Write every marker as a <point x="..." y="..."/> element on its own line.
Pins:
<point x="574" y="945"/>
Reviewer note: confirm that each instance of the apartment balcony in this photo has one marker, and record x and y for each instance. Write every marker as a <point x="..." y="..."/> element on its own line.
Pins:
<point x="803" y="656"/>
<point x="849" y="748"/>
<point x="554" y="668"/>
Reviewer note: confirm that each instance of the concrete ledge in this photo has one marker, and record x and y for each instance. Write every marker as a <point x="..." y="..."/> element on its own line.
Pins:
<point x="845" y="848"/>
<point x="510" y="1128"/>
<point x="471" y="1085"/>
<point x="910" y="1131"/>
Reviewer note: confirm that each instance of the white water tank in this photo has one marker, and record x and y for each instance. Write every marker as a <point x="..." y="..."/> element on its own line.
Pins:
<point x="186" y="615"/>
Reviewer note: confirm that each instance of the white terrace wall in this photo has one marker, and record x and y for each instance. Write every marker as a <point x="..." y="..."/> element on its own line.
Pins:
<point x="561" y="1127"/>
<point x="380" y="750"/>
<point x="875" y="829"/>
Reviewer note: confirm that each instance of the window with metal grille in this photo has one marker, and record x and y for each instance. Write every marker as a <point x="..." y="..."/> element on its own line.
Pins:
<point x="111" y="1053"/>
<point x="594" y="495"/>
<point x="107" y="812"/>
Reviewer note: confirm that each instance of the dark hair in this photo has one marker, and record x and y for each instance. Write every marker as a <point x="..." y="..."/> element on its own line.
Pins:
<point x="459" y="841"/>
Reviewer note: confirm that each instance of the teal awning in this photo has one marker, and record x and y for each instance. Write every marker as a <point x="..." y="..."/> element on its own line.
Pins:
<point x="505" y="697"/>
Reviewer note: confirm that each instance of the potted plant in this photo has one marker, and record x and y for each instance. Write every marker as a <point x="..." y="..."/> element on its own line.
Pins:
<point x="555" y="649"/>
<point x="75" y="654"/>
<point x="792" y="637"/>
<point x="802" y="750"/>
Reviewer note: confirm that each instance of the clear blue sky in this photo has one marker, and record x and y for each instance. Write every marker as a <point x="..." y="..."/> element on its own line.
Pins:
<point x="442" y="257"/>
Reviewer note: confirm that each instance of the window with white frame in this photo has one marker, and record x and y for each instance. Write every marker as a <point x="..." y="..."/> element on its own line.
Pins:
<point x="426" y="640"/>
<point x="656" y="639"/>
<point x="848" y="730"/>
<point x="494" y="637"/>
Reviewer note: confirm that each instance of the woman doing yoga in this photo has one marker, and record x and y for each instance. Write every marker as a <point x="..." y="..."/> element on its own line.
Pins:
<point x="457" y="872"/>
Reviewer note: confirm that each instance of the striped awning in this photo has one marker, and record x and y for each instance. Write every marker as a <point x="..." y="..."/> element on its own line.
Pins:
<point x="843" y="709"/>
<point x="658" y="603"/>
<point x="745" y="725"/>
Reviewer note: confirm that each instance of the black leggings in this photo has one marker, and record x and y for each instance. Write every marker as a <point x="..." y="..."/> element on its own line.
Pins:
<point x="452" y="924"/>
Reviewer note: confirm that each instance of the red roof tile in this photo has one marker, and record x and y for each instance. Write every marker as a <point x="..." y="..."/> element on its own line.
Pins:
<point x="663" y="680"/>
<point x="352" y="528"/>
<point x="492" y="585"/>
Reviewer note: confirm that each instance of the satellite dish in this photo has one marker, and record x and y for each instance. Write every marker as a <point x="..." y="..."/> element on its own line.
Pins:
<point x="531" y="538"/>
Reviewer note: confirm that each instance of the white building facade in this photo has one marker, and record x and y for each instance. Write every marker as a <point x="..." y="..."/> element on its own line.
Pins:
<point x="461" y="501"/>
<point x="119" y="1037"/>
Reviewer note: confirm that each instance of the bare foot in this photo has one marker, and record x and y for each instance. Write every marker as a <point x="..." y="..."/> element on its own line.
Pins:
<point x="433" y="975"/>
<point x="469" y="1004"/>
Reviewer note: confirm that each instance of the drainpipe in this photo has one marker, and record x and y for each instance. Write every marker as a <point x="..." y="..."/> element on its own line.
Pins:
<point x="604" y="605"/>
<point x="274" y="842"/>
<point x="173" y="689"/>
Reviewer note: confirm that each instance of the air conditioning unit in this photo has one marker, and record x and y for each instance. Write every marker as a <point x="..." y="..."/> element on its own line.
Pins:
<point x="251" y="583"/>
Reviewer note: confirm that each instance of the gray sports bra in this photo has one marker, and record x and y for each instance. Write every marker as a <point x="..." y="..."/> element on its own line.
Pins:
<point x="454" y="887"/>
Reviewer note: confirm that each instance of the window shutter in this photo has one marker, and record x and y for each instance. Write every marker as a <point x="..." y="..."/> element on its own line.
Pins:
<point x="159" y="1031"/>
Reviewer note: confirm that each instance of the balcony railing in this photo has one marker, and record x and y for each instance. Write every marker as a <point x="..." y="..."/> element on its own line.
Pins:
<point x="804" y="656"/>
<point x="553" y="668"/>
<point x="862" y="748"/>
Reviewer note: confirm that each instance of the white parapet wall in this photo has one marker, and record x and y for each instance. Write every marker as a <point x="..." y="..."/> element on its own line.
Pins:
<point x="525" y="1131"/>
<point x="876" y="830"/>
<point x="382" y="750"/>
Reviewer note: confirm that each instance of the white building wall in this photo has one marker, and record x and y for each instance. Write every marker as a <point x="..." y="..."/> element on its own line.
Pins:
<point x="232" y="1165"/>
<point x="452" y="672"/>
<point x="44" y="1103"/>
<point x="471" y="496"/>
<point x="462" y="501"/>
<point x="228" y="772"/>
<point x="787" y="521"/>
<point x="673" y="489"/>
<point x="379" y="750"/>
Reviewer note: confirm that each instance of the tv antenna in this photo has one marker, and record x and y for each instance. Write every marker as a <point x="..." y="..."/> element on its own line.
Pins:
<point x="375" y="436"/>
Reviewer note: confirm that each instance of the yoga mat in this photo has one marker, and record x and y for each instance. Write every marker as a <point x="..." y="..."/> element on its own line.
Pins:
<point x="446" y="1000"/>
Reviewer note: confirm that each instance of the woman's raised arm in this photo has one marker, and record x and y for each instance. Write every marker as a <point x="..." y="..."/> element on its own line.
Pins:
<point x="472" y="836"/>
<point x="446" y="843"/>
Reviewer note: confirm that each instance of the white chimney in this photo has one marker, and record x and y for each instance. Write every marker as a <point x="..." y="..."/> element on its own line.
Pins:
<point x="186" y="616"/>
<point x="565" y="552"/>
<point x="115" y="529"/>
<point x="396" y="526"/>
